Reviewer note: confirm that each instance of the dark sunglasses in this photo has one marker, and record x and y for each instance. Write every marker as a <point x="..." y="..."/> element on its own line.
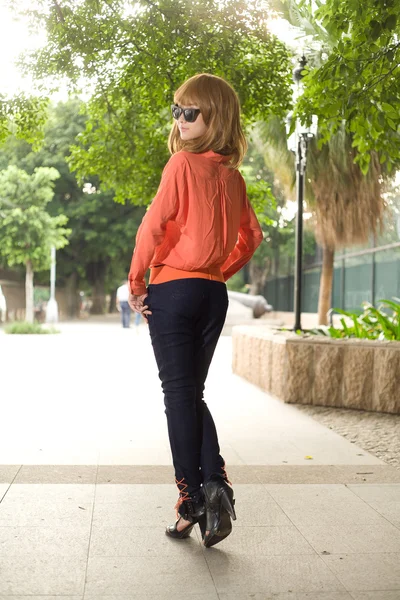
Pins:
<point x="189" y="114"/>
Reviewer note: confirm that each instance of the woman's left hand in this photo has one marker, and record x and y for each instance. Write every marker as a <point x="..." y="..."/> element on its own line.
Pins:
<point x="137" y="304"/>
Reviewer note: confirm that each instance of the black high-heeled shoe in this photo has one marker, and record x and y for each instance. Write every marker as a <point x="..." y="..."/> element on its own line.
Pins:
<point x="219" y="501"/>
<point x="191" y="509"/>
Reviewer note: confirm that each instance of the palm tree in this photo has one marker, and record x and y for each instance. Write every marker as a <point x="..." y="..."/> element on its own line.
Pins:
<point x="347" y="206"/>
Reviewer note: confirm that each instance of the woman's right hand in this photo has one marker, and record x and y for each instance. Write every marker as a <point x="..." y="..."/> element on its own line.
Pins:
<point x="137" y="304"/>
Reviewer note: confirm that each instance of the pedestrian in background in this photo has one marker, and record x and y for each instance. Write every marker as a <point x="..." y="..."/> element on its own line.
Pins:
<point x="123" y="305"/>
<point x="199" y="231"/>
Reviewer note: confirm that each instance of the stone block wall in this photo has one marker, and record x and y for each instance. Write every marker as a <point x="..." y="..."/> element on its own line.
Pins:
<point x="359" y="374"/>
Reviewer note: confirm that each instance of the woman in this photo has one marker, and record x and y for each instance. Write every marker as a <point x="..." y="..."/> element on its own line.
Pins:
<point x="199" y="231"/>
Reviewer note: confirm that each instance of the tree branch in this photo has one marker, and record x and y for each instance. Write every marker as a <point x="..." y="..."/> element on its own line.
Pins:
<point x="59" y="11"/>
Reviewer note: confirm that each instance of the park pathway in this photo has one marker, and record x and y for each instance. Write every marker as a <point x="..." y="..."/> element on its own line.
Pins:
<point x="86" y="485"/>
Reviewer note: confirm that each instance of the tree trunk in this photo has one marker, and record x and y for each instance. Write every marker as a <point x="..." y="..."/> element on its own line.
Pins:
<point x="258" y="276"/>
<point x="73" y="299"/>
<point x="96" y="276"/>
<point x="98" y="298"/>
<point x="29" y="292"/>
<point x="98" y="289"/>
<point x="113" y="302"/>
<point x="325" y="286"/>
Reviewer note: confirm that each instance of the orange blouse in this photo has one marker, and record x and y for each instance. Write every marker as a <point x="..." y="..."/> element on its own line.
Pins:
<point x="200" y="221"/>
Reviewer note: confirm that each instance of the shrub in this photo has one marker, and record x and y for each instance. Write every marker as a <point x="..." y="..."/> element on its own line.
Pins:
<point x="373" y="324"/>
<point x="24" y="327"/>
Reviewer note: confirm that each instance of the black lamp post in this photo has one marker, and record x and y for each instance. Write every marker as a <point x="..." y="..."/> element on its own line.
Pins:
<point x="297" y="143"/>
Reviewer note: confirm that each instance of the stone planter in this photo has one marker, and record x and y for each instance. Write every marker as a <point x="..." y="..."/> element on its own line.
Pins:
<point x="359" y="374"/>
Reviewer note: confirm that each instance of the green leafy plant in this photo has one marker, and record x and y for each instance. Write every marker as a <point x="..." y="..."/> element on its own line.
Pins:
<point x="27" y="230"/>
<point x="135" y="55"/>
<point x="22" y="327"/>
<point x="373" y="324"/>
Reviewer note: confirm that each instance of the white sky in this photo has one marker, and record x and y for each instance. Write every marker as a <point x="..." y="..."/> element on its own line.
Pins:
<point x="16" y="38"/>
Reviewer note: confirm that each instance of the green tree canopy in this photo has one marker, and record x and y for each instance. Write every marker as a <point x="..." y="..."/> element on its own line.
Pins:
<point x="24" y="116"/>
<point x="27" y="231"/>
<point x="358" y="79"/>
<point x="102" y="235"/>
<point x="133" y="55"/>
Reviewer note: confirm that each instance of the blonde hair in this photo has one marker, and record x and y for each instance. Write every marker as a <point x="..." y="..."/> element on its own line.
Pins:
<point x="220" y="109"/>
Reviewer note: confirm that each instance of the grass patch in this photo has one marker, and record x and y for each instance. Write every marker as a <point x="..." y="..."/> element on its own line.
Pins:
<point x="24" y="327"/>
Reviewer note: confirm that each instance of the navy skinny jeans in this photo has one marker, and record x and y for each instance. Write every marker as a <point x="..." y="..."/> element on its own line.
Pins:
<point x="187" y="320"/>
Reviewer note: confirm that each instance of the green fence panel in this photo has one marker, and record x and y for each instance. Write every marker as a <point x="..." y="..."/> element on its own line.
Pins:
<point x="387" y="275"/>
<point x="337" y="286"/>
<point x="310" y="290"/>
<point x="357" y="280"/>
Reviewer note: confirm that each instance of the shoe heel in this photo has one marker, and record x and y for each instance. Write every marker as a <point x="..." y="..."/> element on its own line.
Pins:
<point x="228" y="503"/>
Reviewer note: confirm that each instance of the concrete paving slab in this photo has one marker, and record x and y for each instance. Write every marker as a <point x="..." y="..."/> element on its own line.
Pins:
<point x="288" y="596"/>
<point x="376" y="595"/>
<point x="166" y="595"/>
<point x="8" y="472"/>
<point x="348" y="474"/>
<point x="255" y="506"/>
<point x="21" y="509"/>
<point x="151" y="514"/>
<point x="155" y="575"/>
<point x="268" y="452"/>
<point x="269" y="574"/>
<point x="370" y="474"/>
<point x="42" y="576"/>
<point x="328" y="514"/>
<point x="311" y="494"/>
<point x="120" y="474"/>
<point x="367" y="572"/>
<point x="141" y="506"/>
<point x="385" y="499"/>
<point x="265" y="540"/>
<point x="68" y="474"/>
<point x="139" y="493"/>
<point x="317" y="506"/>
<point x="61" y="492"/>
<point x="389" y="510"/>
<point x="46" y="541"/>
<point x="139" y="541"/>
<point x="384" y="492"/>
<point x="30" y="597"/>
<point x="380" y="536"/>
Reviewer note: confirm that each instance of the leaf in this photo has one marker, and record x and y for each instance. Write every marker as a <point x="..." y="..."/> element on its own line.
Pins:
<point x="345" y="328"/>
<point x="389" y="108"/>
<point x="393" y="305"/>
<point x="375" y="29"/>
<point x="390" y="22"/>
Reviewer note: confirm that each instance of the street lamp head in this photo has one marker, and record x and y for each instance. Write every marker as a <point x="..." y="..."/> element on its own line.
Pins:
<point x="298" y="71"/>
<point x="288" y="122"/>
<point x="291" y="137"/>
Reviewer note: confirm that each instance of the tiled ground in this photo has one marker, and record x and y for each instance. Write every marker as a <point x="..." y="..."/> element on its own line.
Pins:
<point x="86" y="492"/>
<point x="106" y="541"/>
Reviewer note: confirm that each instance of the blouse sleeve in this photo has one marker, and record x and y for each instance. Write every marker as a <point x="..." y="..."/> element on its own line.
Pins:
<point x="151" y="232"/>
<point x="250" y="236"/>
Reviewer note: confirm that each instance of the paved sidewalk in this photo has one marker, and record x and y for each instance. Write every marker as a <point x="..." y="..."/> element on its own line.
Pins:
<point x="86" y="485"/>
